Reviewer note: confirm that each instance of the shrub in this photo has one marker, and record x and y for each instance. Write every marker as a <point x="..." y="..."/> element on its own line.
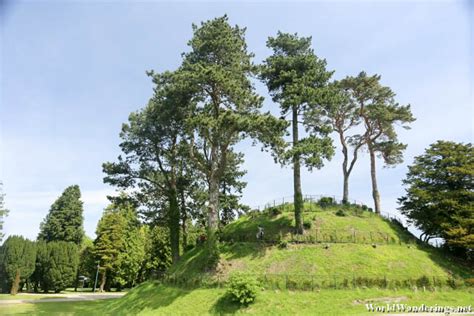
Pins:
<point x="340" y="213"/>
<point x="242" y="288"/>
<point x="307" y="224"/>
<point x="326" y="201"/>
<point x="364" y="207"/>
<point x="274" y="211"/>
<point x="282" y="244"/>
<point x="423" y="281"/>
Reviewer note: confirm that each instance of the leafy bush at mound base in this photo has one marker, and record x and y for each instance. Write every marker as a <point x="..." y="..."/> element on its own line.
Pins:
<point x="242" y="289"/>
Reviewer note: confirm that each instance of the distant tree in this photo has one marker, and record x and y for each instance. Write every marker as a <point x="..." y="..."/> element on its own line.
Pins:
<point x="18" y="256"/>
<point x="120" y="245"/>
<point x="60" y="266"/>
<point x="87" y="264"/>
<point x="340" y="111"/>
<point x="132" y="258"/>
<point x="440" y="194"/>
<point x="380" y="113"/>
<point x="157" y="252"/>
<point x="64" y="221"/>
<point x="294" y="76"/>
<point x="3" y="211"/>
<point x="217" y="70"/>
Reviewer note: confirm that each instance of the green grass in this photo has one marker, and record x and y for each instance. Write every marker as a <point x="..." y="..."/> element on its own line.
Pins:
<point x="27" y="296"/>
<point x="357" y="226"/>
<point x="155" y="299"/>
<point x="401" y="258"/>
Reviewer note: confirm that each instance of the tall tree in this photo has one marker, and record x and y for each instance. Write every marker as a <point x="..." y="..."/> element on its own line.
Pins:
<point x="151" y="141"/>
<point x="64" y="221"/>
<point x="380" y="113"/>
<point x="340" y="111"/>
<point x="217" y="70"/>
<point x="18" y="256"/>
<point x="439" y="196"/>
<point x="3" y="211"/>
<point x="295" y="76"/>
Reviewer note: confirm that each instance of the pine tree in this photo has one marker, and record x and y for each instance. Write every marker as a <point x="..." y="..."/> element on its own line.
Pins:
<point x="294" y="76"/>
<point x="64" y="221"/>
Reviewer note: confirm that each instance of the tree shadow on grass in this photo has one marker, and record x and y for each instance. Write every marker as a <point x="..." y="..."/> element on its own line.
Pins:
<point x="225" y="306"/>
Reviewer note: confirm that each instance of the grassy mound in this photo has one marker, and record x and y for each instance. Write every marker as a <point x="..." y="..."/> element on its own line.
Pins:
<point x="343" y="246"/>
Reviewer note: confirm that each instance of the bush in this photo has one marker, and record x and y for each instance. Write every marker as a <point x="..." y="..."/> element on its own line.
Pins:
<point x="326" y="201"/>
<point x="307" y="224"/>
<point x="274" y="211"/>
<point x="242" y="289"/>
<point x="340" y="213"/>
<point x="282" y="244"/>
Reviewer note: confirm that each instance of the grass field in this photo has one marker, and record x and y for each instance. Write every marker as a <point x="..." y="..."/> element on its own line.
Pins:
<point x="155" y="299"/>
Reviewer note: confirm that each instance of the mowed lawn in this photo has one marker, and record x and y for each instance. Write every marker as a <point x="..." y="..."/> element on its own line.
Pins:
<point x="155" y="299"/>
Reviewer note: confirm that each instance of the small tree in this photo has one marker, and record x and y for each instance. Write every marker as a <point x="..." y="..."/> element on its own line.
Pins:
<point x="64" y="221"/>
<point x="18" y="256"/>
<point x="440" y="194"/>
<point x="294" y="76"/>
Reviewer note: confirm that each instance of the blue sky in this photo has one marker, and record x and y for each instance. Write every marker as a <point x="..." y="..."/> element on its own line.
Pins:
<point x="71" y="72"/>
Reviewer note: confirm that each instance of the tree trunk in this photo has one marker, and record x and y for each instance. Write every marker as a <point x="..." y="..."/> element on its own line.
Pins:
<point x="184" y="218"/>
<point x="103" y="280"/>
<point x="15" y="283"/>
<point x="375" y="191"/>
<point x="345" y="193"/>
<point x="174" y="222"/>
<point x="298" y="195"/>
<point x="212" y="218"/>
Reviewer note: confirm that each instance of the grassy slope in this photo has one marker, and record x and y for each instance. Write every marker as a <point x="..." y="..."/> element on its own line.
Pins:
<point x="154" y="299"/>
<point x="400" y="258"/>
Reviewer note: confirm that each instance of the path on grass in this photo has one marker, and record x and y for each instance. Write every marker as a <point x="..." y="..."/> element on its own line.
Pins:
<point x="69" y="297"/>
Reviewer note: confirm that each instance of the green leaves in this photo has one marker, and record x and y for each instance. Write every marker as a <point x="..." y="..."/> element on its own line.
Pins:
<point x="440" y="193"/>
<point x="64" y="221"/>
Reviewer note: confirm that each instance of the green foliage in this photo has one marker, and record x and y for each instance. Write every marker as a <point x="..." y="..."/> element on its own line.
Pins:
<point x="217" y="71"/>
<point x="440" y="194"/>
<point x="64" y="221"/>
<point x="58" y="265"/>
<point x="307" y="224"/>
<point x="120" y="245"/>
<point x="17" y="262"/>
<point x="294" y="76"/>
<point x="326" y="201"/>
<point x="242" y="289"/>
<point x="340" y="213"/>
<point x="157" y="252"/>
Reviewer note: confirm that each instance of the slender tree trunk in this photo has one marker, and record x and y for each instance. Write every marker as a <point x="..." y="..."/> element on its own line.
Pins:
<point x="212" y="218"/>
<point x="103" y="280"/>
<point x="174" y="222"/>
<point x="375" y="191"/>
<point x="298" y="195"/>
<point x="15" y="283"/>
<point x="184" y="218"/>
<point x="345" y="193"/>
